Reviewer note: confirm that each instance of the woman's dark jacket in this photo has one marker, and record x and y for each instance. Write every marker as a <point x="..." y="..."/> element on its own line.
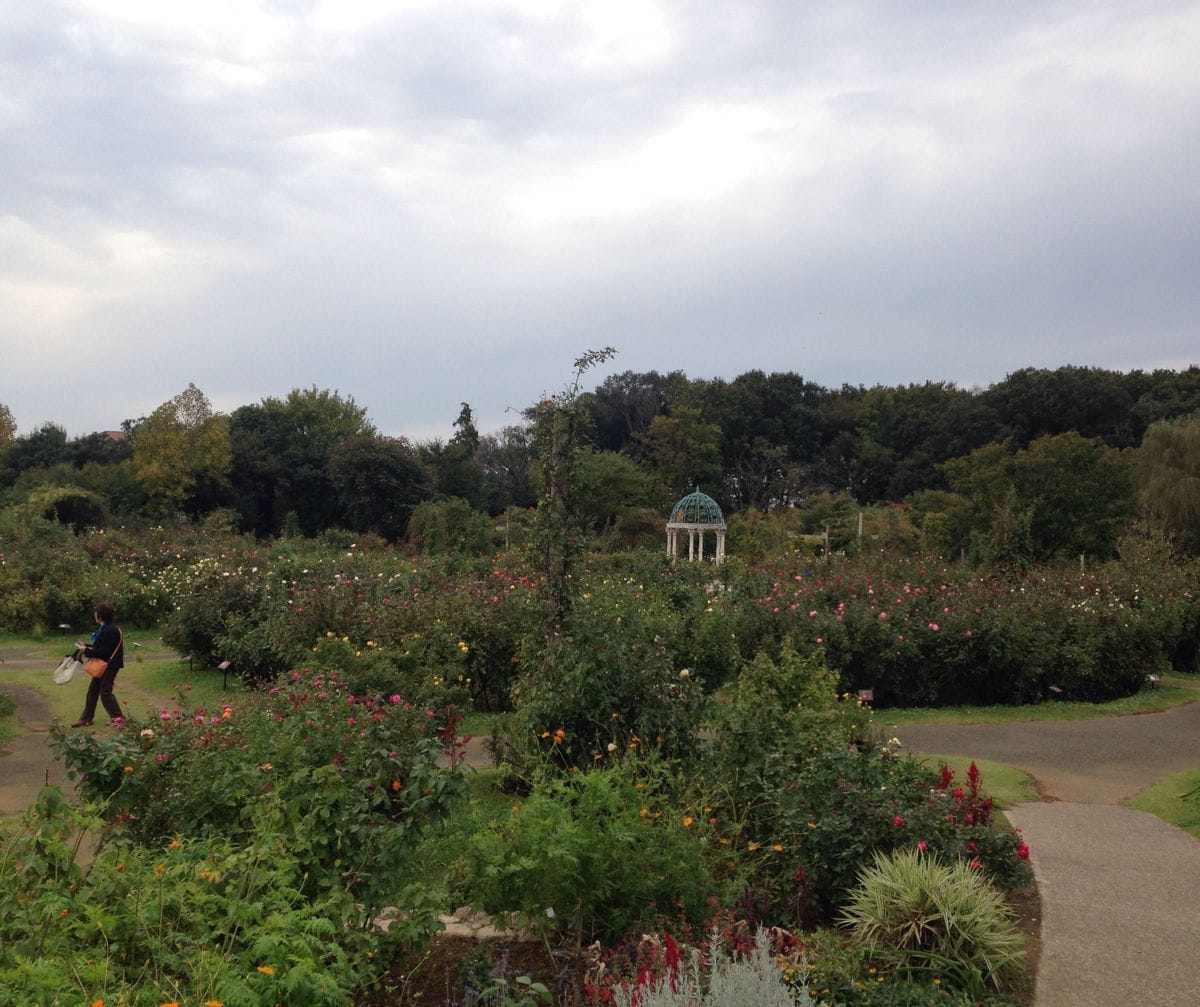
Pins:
<point x="107" y="646"/>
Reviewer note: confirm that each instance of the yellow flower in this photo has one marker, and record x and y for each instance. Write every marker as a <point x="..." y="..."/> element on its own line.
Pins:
<point x="266" y="970"/>
<point x="644" y="812"/>
<point x="752" y="846"/>
<point x="462" y="646"/>
<point x="778" y="847"/>
<point x="213" y="1003"/>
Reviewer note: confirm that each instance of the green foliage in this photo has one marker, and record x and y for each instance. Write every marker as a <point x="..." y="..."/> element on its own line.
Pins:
<point x="593" y="855"/>
<point x="350" y="781"/>
<point x="558" y="426"/>
<point x="779" y="714"/>
<point x="933" y="917"/>
<point x="449" y="526"/>
<point x="1063" y="495"/>
<point x="1168" y="478"/>
<point x="684" y="452"/>
<point x="379" y="481"/>
<point x="186" y="920"/>
<point x="181" y="452"/>
<point x="612" y="678"/>
<point x="281" y="451"/>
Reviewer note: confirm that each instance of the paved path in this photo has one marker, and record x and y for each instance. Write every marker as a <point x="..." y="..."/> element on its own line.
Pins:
<point x="1120" y="889"/>
<point x="27" y="763"/>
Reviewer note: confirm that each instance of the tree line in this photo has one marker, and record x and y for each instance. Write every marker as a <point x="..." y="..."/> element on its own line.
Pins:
<point x="1045" y="462"/>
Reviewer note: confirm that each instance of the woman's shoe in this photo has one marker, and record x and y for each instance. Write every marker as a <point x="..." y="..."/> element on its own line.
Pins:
<point x="82" y="723"/>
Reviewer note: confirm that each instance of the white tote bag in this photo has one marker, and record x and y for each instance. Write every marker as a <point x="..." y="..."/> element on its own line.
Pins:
<point x="67" y="670"/>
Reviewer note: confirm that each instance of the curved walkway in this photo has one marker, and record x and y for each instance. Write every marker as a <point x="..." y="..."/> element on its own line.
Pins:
<point x="1120" y="889"/>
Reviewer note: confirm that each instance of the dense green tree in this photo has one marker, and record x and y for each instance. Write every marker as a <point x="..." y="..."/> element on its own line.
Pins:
<point x="1168" y="479"/>
<point x="1074" y="493"/>
<point x="379" y="481"/>
<point x="683" y="452"/>
<point x="457" y="472"/>
<point x="610" y="485"/>
<point x="1161" y="395"/>
<point x="100" y="449"/>
<point x="181" y="455"/>
<point x="505" y="458"/>
<point x="281" y="453"/>
<point x="623" y="406"/>
<point x="8" y="429"/>
<point x="905" y="433"/>
<point x="42" y="448"/>
<point x="1090" y="401"/>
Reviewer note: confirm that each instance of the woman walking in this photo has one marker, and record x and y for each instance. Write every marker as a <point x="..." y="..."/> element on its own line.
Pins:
<point x="108" y="644"/>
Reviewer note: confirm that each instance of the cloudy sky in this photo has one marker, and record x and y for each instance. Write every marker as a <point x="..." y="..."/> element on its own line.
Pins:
<point x="424" y="203"/>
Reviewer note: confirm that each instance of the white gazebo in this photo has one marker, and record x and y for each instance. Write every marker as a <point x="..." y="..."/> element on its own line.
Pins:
<point x="694" y="515"/>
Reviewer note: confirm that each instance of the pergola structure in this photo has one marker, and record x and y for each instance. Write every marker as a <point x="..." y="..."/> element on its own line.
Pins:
<point x="696" y="514"/>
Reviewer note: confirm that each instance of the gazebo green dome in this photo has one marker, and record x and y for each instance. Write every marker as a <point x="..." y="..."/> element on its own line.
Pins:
<point x="697" y="508"/>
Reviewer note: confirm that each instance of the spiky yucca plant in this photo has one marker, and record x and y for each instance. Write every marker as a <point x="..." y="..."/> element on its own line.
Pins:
<point x="925" y="915"/>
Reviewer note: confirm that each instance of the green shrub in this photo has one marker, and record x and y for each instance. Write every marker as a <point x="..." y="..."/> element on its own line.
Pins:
<point x="593" y="854"/>
<point x="611" y="679"/>
<point x="933" y="917"/>
<point x="184" y="921"/>
<point x="351" y="781"/>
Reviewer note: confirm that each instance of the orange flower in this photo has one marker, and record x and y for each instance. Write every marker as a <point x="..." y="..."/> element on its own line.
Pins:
<point x="213" y="1003"/>
<point x="396" y="785"/>
<point x="174" y="844"/>
<point x="687" y="821"/>
<point x="266" y="970"/>
<point x="97" y="1002"/>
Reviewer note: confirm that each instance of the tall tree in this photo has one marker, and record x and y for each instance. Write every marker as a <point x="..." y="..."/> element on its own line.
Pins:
<point x="181" y="455"/>
<point x="506" y="458"/>
<point x="1168" y="478"/>
<point x="42" y="448"/>
<point x="623" y="406"/>
<point x="1063" y="495"/>
<point x="281" y="455"/>
<point x="8" y="429"/>
<point x="379" y="481"/>
<point x="457" y="473"/>
<point x="684" y="452"/>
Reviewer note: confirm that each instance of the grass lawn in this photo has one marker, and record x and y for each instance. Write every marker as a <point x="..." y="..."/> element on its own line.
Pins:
<point x="150" y="680"/>
<point x="1167" y="800"/>
<point x="1004" y="784"/>
<point x="1174" y="690"/>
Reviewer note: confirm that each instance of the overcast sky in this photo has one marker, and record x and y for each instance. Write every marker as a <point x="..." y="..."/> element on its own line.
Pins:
<point x="424" y="203"/>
